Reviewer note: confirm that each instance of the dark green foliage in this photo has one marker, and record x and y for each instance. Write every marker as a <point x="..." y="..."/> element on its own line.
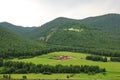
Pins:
<point x="17" y="29"/>
<point x="68" y="77"/>
<point x="49" y="27"/>
<point x="21" y="67"/>
<point x="24" y="77"/>
<point x="19" y="71"/>
<point x="48" y="73"/>
<point x="13" y="45"/>
<point x="115" y="59"/>
<point x="7" y="76"/>
<point x="1" y="62"/>
<point x="97" y="58"/>
<point x="108" y="22"/>
<point x="105" y="59"/>
<point x="98" y="35"/>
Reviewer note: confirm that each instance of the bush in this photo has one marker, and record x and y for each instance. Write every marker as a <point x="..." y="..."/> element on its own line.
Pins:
<point x="24" y="77"/>
<point x="96" y="58"/>
<point x="23" y="71"/>
<point x="48" y="73"/>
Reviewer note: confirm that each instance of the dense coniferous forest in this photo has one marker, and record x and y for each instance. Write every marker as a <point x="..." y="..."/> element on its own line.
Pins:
<point x="98" y="35"/>
<point x="115" y="59"/>
<point x="21" y="67"/>
<point x="17" y="29"/>
<point x="97" y="58"/>
<point x="14" y="45"/>
<point x="95" y="35"/>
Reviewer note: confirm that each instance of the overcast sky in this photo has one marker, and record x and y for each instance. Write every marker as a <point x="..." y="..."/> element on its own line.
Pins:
<point x="38" y="12"/>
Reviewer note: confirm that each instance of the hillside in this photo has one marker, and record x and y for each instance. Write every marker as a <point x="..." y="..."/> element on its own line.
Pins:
<point x="12" y="44"/>
<point x="24" y="50"/>
<point x="49" y="28"/>
<point x="17" y="29"/>
<point x="109" y="22"/>
<point x="99" y="34"/>
<point x="113" y="69"/>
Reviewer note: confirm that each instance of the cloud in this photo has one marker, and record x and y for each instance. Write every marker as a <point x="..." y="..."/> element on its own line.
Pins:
<point x="38" y="12"/>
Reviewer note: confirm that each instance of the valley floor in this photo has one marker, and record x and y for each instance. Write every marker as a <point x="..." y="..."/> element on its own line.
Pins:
<point x="113" y="68"/>
<point x="100" y="76"/>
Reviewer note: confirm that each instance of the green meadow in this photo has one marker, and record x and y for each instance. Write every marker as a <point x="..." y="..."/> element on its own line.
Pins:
<point x="113" y="68"/>
<point x="81" y="76"/>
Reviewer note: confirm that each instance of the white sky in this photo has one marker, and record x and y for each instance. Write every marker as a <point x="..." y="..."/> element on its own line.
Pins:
<point x="38" y="12"/>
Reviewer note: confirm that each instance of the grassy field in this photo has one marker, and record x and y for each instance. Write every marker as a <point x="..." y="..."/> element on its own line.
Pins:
<point x="113" y="68"/>
<point x="64" y="76"/>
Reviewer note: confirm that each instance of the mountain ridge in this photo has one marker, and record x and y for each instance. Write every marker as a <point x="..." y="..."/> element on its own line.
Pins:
<point x="101" y="32"/>
<point x="15" y="45"/>
<point x="17" y="29"/>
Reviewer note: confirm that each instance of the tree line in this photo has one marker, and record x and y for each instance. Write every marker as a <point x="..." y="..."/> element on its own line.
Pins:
<point x="13" y="45"/>
<point x="115" y="59"/>
<point x="24" y="52"/>
<point x="22" y="67"/>
<point x="96" y="58"/>
<point x="103" y="59"/>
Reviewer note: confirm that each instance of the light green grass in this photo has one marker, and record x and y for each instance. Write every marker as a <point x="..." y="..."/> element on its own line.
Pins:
<point x="113" y="68"/>
<point x="63" y="76"/>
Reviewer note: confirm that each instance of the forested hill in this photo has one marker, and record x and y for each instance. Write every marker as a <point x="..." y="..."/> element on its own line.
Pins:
<point x="97" y="33"/>
<point x="12" y="44"/>
<point x="17" y="29"/>
<point x="109" y="22"/>
<point x="49" y="27"/>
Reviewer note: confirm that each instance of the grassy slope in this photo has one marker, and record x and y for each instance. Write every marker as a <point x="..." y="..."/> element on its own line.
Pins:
<point x="113" y="68"/>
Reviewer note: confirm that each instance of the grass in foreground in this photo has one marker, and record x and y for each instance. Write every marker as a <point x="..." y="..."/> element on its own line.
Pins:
<point x="113" y="68"/>
<point x="64" y="76"/>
